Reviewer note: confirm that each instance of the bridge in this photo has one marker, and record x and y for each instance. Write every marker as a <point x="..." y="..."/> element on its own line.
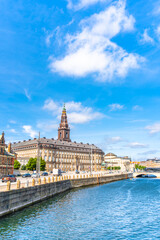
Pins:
<point x="139" y="174"/>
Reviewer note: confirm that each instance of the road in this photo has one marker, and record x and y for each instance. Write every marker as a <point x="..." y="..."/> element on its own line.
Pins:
<point x="26" y="182"/>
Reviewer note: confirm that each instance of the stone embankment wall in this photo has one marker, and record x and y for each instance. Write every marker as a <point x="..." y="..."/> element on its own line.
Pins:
<point x="17" y="199"/>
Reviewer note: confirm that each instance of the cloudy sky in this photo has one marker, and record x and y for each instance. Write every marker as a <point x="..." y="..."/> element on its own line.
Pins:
<point x="100" y="57"/>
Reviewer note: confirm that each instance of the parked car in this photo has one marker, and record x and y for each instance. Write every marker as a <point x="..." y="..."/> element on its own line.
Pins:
<point x="44" y="174"/>
<point x="10" y="178"/>
<point x="18" y="175"/>
<point x="26" y="175"/>
<point x="76" y="172"/>
<point x="35" y="175"/>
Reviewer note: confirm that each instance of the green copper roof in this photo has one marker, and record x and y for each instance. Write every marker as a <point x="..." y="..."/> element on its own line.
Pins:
<point x="64" y="109"/>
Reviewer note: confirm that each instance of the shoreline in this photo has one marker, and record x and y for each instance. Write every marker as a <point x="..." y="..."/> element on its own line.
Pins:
<point x="17" y="199"/>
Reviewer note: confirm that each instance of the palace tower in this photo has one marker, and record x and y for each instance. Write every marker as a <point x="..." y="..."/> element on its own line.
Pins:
<point x="64" y="130"/>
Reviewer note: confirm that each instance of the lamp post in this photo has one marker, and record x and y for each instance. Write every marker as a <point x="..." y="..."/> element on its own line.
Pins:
<point x="91" y="161"/>
<point x="38" y="157"/>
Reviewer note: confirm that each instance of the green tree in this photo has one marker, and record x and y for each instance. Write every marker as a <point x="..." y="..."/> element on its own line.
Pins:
<point x="23" y="167"/>
<point x="17" y="164"/>
<point x="136" y="166"/>
<point x="31" y="165"/>
<point x="140" y="167"/>
<point x="42" y="165"/>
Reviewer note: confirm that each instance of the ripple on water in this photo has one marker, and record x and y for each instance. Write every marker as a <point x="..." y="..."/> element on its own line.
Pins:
<point x="120" y="210"/>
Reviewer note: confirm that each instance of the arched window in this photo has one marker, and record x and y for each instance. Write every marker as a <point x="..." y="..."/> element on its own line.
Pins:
<point x="60" y="134"/>
<point x="66" y="134"/>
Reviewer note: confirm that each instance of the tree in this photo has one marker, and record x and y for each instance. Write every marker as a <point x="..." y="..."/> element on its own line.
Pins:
<point x="17" y="164"/>
<point x="31" y="165"/>
<point x="42" y="165"/>
<point x="23" y="167"/>
<point x="140" y="167"/>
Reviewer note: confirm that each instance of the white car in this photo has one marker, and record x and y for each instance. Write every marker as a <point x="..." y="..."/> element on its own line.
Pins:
<point x="35" y="175"/>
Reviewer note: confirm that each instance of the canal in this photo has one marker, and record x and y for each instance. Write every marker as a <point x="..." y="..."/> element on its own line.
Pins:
<point x="128" y="209"/>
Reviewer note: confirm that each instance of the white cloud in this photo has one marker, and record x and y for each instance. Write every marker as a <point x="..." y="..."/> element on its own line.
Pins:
<point x="146" y="38"/>
<point x="50" y="105"/>
<point x="137" y="108"/>
<point x="12" y="130"/>
<point x="91" y="50"/>
<point x="12" y="122"/>
<point x="47" y="126"/>
<point x="158" y="32"/>
<point x="48" y="38"/>
<point x="136" y="145"/>
<point x="155" y="128"/>
<point x="156" y="10"/>
<point x="27" y="94"/>
<point x="28" y="129"/>
<point x="113" y="140"/>
<point x="115" y="107"/>
<point x="76" y="112"/>
<point x="149" y="152"/>
<point x="83" y="3"/>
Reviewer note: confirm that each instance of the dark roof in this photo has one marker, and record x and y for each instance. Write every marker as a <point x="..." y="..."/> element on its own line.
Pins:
<point x="54" y="142"/>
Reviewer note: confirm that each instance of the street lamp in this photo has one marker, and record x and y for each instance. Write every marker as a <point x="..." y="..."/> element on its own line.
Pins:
<point x="38" y="157"/>
<point x="91" y="161"/>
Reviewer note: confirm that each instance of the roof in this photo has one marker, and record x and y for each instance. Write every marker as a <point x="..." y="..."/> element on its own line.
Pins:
<point x="52" y="141"/>
<point x="111" y="154"/>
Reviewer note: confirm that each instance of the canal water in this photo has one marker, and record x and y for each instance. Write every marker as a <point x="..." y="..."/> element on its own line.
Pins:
<point x="128" y="209"/>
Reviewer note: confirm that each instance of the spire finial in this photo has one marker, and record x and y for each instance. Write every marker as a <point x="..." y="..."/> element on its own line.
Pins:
<point x="64" y="108"/>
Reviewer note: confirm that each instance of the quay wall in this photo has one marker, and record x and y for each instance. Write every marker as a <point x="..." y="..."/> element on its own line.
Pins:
<point x="14" y="200"/>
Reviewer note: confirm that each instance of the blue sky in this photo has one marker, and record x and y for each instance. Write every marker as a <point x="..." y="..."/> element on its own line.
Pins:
<point x="99" y="57"/>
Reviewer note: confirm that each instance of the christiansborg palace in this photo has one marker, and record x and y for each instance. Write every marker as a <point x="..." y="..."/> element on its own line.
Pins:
<point x="61" y="153"/>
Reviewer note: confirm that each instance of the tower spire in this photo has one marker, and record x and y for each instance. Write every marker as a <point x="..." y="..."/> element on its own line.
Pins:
<point x="64" y="108"/>
<point x="64" y="130"/>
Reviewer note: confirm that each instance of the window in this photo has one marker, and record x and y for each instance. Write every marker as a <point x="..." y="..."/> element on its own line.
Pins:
<point x="45" y="158"/>
<point x="49" y="158"/>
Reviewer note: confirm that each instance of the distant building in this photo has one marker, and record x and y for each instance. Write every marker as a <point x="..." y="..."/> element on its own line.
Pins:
<point x="61" y="153"/>
<point x="111" y="160"/>
<point x="151" y="163"/>
<point x="7" y="157"/>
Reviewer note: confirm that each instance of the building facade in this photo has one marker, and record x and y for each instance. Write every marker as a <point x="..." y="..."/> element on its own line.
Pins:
<point x="6" y="158"/>
<point x="112" y="160"/>
<point x="151" y="163"/>
<point x="61" y="153"/>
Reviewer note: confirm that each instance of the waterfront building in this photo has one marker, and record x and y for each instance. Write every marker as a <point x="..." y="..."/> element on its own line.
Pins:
<point x="7" y="157"/>
<point x="112" y="160"/>
<point x="61" y="153"/>
<point x="151" y="163"/>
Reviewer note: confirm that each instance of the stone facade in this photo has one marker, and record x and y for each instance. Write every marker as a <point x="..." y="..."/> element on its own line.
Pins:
<point x="112" y="160"/>
<point x="61" y="153"/>
<point x="6" y="158"/>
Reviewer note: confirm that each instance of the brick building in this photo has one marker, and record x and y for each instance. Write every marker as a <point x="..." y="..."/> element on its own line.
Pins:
<point x="7" y="157"/>
<point x="61" y="153"/>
